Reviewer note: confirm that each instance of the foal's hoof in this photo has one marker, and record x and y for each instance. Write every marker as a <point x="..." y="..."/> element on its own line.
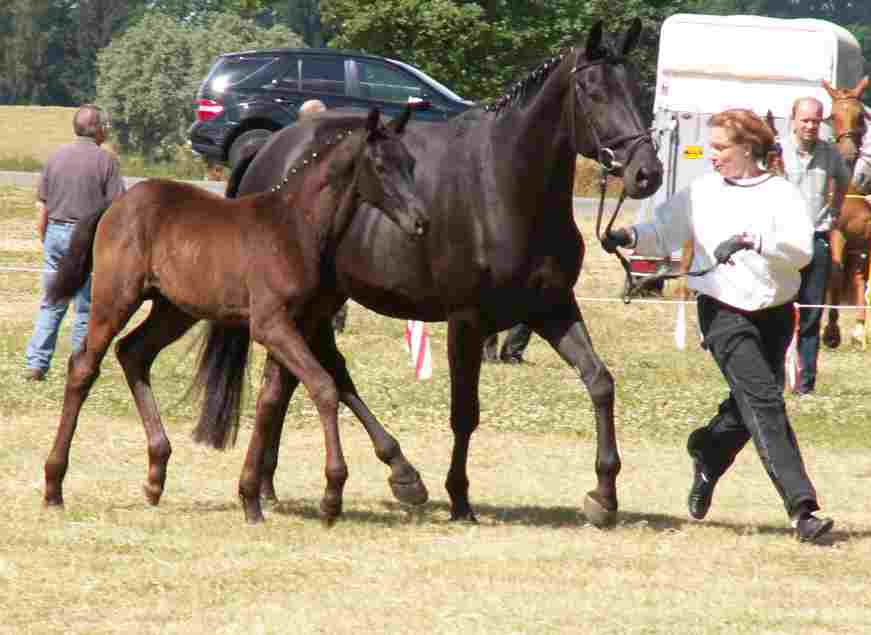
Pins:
<point x="597" y="513"/>
<point x="411" y="491"/>
<point x="253" y="511"/>
<point x="152" y="493"/>
<point x="331" y="509"/>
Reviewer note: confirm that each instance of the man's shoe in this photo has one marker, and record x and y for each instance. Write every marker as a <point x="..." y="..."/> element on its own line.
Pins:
<point x="809" y="528"/>
<point x="35" y="374"/>
<point x="701" y="492"/>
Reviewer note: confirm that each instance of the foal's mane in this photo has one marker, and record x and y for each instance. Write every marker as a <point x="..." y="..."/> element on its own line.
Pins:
<point x="328" y="134"/>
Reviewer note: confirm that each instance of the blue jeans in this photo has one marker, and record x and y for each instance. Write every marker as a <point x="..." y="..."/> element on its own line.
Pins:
<point x="41" y="347"/>
<point x="814" y="281"/>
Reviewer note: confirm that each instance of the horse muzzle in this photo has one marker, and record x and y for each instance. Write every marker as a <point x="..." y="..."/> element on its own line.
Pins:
<point x="643" y="176"/>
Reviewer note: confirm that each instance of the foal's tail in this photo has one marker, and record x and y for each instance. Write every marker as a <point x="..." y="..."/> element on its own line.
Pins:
<point x="76" y="263"/>
<point x="220" y="379"/>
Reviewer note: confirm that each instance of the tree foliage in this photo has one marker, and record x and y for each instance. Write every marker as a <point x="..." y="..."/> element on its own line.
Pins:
<point x="147" y="78"/>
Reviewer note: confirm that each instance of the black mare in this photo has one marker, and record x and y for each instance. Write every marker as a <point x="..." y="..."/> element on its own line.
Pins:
<point x="502" y="247"/>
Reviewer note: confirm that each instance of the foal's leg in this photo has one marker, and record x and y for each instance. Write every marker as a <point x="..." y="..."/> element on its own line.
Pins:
<point x="567" y="334"/>
<point x="404" y="479"/>
<point x="278" y="333"/>
<point x="108" y="317"/>
<point x="465" y="348"/>
<point x="276" y="389"/>
<point x="136" y="352"/>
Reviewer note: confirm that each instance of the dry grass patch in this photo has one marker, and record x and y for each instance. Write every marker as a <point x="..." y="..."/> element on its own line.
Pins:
<point x="34" y="132"/>
<point x="110" y="563"/>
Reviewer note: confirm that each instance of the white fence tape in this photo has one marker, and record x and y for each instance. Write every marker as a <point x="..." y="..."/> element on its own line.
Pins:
<point x="582" y="299"/>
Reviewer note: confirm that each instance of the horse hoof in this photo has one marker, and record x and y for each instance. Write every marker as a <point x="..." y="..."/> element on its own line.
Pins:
<point x="410" y="492"/>
<point x="331" y="509"/>
<point x="53" y="502"/>
<point x="597" y="513"/>
<point x="152" y="494"/>
<point x="253" y="511"/>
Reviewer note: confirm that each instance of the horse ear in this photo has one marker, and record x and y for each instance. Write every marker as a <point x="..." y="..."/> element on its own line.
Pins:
<point x="631" y="37"/>
<point x="398" y="124"/>
<point x="829" y="89"/>
<point x="593" y="50"/>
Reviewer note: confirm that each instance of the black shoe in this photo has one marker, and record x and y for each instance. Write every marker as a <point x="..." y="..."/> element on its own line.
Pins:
<point x="35" y="374"/>
<point x="809" y="528"/>
<point x="701" y="492"/>
<point x="512" y="359"/>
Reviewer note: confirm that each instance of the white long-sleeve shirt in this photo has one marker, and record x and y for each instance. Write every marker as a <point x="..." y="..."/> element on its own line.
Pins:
<point x="711" y="210"/>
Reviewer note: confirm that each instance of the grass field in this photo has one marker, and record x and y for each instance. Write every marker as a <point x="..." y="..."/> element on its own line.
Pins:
<point x="29" y="134"/>
<point x="110" y="563"/>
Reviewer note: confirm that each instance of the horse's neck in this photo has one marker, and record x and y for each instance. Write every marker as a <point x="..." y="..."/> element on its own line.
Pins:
<point x="540" y="130"/>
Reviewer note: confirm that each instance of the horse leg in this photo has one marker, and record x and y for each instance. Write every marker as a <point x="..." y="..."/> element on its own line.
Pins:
<point x="276" y="390"/>
<point x="136" y="352"/>
<point x="83" y="368"/>
<point x="832" y="332"/>
<point x="465" y="349"/>
<point x="854" y="271"/>
<point x="279" y="335"/>
<point x="568" y="335"/>
<point x="404" y="479"/>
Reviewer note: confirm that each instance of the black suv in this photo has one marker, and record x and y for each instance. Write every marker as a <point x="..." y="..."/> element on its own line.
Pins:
<point x="249" y="95"/>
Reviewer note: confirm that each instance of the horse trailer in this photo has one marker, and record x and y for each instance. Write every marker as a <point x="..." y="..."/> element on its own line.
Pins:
<point x="710" y="63"/>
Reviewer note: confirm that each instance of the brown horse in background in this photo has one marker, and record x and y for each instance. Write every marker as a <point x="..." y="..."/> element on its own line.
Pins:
<point x="256" y="262"/>
<point x="851" y="234"/>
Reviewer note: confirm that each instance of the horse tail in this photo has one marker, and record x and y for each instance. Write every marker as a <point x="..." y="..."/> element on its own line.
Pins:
<point x="76" y="263"/>
<point x="220" y="378"/>
<point x="236" y="175"/>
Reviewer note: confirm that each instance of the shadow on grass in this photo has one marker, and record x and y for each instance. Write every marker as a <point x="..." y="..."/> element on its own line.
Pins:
<point x="438" y="513"/>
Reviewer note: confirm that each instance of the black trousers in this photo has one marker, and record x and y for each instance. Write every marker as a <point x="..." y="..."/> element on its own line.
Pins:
<point x="750" y="348"/>
<point x="513" y="347"/>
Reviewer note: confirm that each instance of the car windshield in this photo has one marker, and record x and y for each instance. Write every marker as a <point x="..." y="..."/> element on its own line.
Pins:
<point x="429" y="80"/>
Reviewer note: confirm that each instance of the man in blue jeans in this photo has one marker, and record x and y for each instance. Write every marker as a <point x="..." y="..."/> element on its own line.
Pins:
<point x="78" y="180"/>
<point x="818" y="170"/>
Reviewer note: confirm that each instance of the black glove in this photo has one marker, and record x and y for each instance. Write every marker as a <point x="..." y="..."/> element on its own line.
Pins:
<point x="729" y="247"/>
<point x="617" y="238"/>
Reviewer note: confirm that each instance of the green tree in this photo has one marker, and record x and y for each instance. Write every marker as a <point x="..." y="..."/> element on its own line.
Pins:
<point x="24" y="51"/>
<point x="148" y="77"/>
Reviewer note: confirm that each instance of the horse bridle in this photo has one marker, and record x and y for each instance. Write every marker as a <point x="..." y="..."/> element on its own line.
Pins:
<point x="855" y="133"/>
<point x="606" y="158"/>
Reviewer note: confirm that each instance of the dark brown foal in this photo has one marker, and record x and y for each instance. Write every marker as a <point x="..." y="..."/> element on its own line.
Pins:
<point x="254" y="262"/>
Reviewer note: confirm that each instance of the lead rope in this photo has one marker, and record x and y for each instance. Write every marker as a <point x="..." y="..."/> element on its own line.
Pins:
<point x="630" y="288"/>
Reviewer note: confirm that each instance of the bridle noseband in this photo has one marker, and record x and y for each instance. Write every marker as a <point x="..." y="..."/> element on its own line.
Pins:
<point x="855" y="134"/>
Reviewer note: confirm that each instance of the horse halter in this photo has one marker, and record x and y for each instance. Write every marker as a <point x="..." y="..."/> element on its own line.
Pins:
<point x="855" y="134"/>
<point x="606" y="156"/>
<point x="604" y="152"/>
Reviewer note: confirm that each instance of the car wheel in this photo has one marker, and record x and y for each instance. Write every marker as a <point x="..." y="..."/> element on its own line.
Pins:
<point x="246" y="145"/>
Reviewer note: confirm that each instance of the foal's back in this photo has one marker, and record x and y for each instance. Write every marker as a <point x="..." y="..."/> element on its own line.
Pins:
<point x="204" y="253"/>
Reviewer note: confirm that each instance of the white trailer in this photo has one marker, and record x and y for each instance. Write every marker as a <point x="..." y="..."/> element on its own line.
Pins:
<point x="710" y="63"/>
